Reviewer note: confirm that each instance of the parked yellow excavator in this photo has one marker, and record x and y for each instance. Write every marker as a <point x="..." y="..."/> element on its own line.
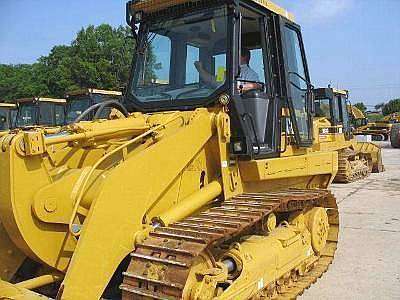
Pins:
<point x="8" y="113"/>
<point x="334" y="132"/>
<point x="207" y="189"/>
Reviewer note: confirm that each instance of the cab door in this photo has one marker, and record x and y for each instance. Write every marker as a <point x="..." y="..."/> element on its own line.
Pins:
<point x="256" y="132"/>
<point x="298" y="86"/>
<point x="347" y="130"/>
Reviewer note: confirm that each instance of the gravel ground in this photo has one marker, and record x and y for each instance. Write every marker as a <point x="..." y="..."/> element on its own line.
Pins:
<point x="367" y="262"/>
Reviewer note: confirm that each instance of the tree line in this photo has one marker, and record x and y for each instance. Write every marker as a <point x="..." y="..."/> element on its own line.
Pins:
<point x="387" y="108"/>
<point x="98" y="57"/>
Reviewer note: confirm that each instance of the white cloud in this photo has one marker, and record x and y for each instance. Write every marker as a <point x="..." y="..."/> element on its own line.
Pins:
<point x="321" y="11"/>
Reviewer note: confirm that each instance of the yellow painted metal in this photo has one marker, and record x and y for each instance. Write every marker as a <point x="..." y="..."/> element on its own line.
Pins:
<point x="394" y="117"/>
<point x="93" y="91"/>
<point x="374" y="151"/>
<point x="40" y="99"/>
<point x="191" y="204"/>
<point x="313" y="164"/>
<point x="7" y="105"/>
<point x="380" y="128"/>
<point x="117" y="186"/>
<point x="87" y="131"/>
<point x="10" y="256"/>
<point x="77" y="199"/>
<point x="332" y="138"/>
<point x="12" y="292"/>
<point x="356" y="113"/>
<point x="290" y="247"/>
<point x="276" y="9"/>
<point x="40" y="281"/>
<point x="135" y="205"/>
<point x="317" y="222"/>
<point x="149" y="6"/>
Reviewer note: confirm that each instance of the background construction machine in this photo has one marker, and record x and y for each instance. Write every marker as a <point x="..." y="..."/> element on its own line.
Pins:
<point x="357" y="118"/>
<point x="8" y="113"/>
<point x="201" y="192"/>
<point x="395" y="135"/>
<point x="333" y="132"/>
<point x="78" y="102"/>
<point x="378" y="130"/>
<point x="40" y="111"/>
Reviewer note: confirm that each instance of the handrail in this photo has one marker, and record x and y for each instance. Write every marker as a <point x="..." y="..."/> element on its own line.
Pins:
<point x="90" y="173"/>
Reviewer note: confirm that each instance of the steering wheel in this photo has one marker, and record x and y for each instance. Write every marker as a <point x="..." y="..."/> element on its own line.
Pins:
<point x="261" y="85"/>
<point x="99" y="108"/>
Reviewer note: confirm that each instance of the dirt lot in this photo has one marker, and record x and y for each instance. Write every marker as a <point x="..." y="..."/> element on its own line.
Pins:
<point x="367" y="263"/>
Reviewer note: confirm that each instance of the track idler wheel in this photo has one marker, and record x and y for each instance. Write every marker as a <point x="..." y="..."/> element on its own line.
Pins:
<point x="318" y="225"/>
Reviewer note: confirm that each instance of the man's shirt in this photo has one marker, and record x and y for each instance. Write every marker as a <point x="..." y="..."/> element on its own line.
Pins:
<point x="248" y="74"/>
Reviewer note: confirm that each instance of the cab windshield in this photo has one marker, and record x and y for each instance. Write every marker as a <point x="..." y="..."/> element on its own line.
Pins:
<point x="4" y="119"/>
<point x="76" y="106"/>
<point x="323" y="108"/>
<point x="182" y="59"/>
<point x="27" y="114"/>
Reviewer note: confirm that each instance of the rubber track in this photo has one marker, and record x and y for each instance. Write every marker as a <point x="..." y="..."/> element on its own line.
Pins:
<point x="160" y="265"/>
<point x="346" y="173"/>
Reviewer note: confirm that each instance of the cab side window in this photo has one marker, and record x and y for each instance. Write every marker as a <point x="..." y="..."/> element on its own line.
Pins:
<point x="297" y="77"/>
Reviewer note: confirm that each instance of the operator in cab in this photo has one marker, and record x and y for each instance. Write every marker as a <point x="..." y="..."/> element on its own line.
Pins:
<point x="248" y="79"/>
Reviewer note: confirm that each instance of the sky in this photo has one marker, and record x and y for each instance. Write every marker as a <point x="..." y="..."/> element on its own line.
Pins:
<point x="350" y="44"/>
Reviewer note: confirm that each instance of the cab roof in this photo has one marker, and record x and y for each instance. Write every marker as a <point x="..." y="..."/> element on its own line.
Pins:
<point x="7" y="105"/>
<point x="340" y="92"/>
<point x="40" y="99"/>
<point x="149" y="6"/>
<point x="94" y="91"/>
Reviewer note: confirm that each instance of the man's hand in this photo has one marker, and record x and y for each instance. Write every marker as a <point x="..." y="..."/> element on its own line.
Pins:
<point x="199" y="66"/>
<point x="206" y="77"/>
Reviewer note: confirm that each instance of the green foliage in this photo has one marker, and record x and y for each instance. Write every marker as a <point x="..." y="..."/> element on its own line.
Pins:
<point x="57" y="70"/>
<point x="18" y="81"/>
<point x="361" y="106"/>
<point x="102" y="57"/>
<point x="151" y="65"/>
<point x="99" y="57"/>
<point x="391" y="107"/>
<point x="379" y="106"/>
<point x="375" y="117"/>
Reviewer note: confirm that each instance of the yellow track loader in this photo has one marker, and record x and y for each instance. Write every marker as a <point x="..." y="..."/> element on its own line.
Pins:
<point x="40" y="111"/>
<point x="332" y="131"/>
<point x="80" y="101"/>
<point x="207" y="189"/>
<point x="7" y="115"/>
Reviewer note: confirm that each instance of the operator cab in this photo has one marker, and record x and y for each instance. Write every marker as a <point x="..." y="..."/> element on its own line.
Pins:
<point x="80" y="101"/>
<point x="8" y="112"/>
<point x="332" y="104"/>
<point x="190" y="56"/>
<point x="40" y="111"/>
